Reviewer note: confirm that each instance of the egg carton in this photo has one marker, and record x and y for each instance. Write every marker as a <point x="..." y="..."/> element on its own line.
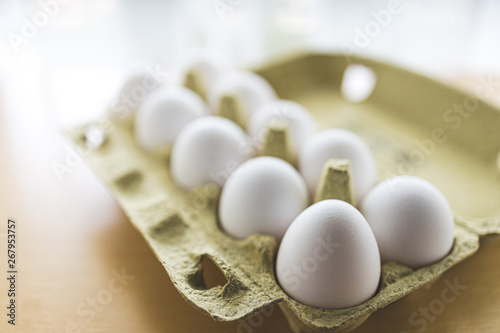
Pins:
<point x="396" y="121"/>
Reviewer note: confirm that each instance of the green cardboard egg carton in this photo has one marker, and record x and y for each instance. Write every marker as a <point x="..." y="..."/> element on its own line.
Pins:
<point x="409" y="123"/>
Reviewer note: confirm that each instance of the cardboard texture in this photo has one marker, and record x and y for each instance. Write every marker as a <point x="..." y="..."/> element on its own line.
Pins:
<point x="407" y="125"/>
<point x="336" y="182"/>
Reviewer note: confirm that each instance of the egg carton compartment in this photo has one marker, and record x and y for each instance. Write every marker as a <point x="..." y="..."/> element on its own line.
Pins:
<point x="400" y="120"/>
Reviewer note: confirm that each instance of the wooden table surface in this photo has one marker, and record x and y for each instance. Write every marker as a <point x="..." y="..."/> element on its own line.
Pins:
<point x="73" y="241"/>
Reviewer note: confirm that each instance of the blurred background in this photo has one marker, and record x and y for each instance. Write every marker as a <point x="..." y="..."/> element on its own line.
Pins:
<point x="61" y="63"/>
<point x="74" y="61"/>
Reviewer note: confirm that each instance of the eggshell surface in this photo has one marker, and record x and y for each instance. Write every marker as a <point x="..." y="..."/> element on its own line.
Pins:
<point x="262" y="196"/>
<point x="411" y="219"/>
<point x="338" y="143"/>
<point x="139" y="83"/>
<point x="208" y="150"/>
<point x="164" y="114"/>
<point x="299" y="122"/>
<point x="329" y="257"/>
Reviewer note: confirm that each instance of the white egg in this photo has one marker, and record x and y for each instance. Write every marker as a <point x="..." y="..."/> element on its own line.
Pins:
<point x="207" y="66"/>
<point x="250" y="89"/>
<point x="262" y="196"/>
<point x="208" y="150"/>
<point x="301" y="125"/>
<point x="141" y="81"/>
<point x="328" y="257"/>
<point x="411" y="219"/>
<point x="164" y="114"/>
<point x="338" y="143"/>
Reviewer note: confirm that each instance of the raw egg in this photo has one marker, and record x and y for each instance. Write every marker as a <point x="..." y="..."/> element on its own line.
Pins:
<point x="329" y="257"/>
<point x="411" y="219"/>
<point x="208" y="150"/>
<point x="164" y="114"/>
<point x="262" y="196"/>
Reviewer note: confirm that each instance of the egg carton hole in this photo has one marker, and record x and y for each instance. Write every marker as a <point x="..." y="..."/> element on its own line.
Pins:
<point x="208" y="275"/>
<point x="358" y="83"/>
<point x="94" y="137"/>
<point x="212" y="274"/>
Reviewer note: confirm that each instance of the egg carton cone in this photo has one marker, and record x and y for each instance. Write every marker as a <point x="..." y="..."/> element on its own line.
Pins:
<point x="192" y="82"/>
<point x="400" y="121"/>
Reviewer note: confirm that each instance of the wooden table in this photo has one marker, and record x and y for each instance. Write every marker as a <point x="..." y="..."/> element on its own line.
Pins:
<point x="74" y="240"/>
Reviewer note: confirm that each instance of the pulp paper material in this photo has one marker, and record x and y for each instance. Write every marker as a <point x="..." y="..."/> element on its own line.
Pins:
<point x="181" y="227"/>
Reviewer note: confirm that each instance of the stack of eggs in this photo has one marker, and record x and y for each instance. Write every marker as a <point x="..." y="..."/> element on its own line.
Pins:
<point x="330" y="252"/>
